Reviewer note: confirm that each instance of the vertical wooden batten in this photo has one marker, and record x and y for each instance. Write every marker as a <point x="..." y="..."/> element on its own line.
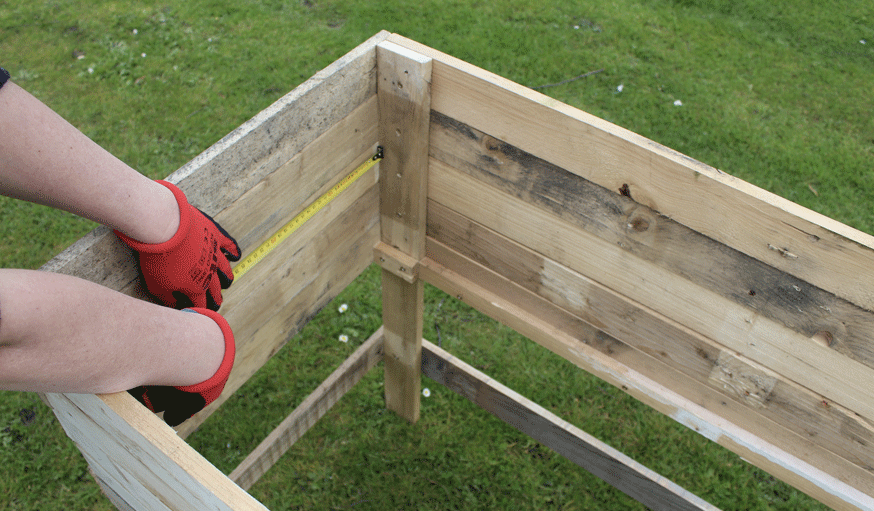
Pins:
<point x="404" y="92"/>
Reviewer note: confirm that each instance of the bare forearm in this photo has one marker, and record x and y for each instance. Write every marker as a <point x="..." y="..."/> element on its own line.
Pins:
<point x="63" y="334"/>
<point x="44" y="159"/>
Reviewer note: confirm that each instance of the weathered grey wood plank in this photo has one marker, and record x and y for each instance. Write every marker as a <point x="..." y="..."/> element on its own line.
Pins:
<point x="649" y="235"/>
<point x="225" y="171"/>
<point x="738" y="214"/>
<point x="766" y="342"/>
<point x="305" y="416"/>
<point x="321" y="269"/>
<point x="808" y="467"/>
<point x="640" y="483"/>
<point x="141" y="459"/>
<point x="404" y="91"/>
<point x="637" y="336"/>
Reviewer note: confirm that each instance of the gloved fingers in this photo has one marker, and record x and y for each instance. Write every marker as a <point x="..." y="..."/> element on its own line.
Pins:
<point x="228" y="244"/>
<point x="231" y="250"/>
<point x="214" y="294"/>
<point x="141" y="394"/>
<point x="181" y="406"/>
<point x="225" y="273"/>
<point x="169" y="299"/>
<point x="184" y="301"/>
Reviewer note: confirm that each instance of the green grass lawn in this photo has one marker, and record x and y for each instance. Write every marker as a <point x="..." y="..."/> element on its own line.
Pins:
<point x="778" y="94"/>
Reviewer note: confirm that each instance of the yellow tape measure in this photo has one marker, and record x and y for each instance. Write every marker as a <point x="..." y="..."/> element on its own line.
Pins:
<point x="265" y="248"/>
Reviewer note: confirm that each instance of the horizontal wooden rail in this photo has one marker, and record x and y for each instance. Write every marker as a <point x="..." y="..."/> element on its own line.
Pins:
<point x="603" y="461"/>
<point x="574" y="340"/>
<point x="309" y="412"/>
<point x="638" y="482"/>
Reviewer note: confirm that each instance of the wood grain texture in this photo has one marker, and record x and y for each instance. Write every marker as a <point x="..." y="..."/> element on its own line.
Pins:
<point x="638" y="482"/>
<point x="784" y="414"/>
<point x="396" y="262"/>
<point x="141" y="459"/>
<point x="310" y="276"/>
<point x="280" y="440"/>
<point x="620" y="221"/>
<point x="655" y="238"/>
<point x="748" y="333"/>
<point x="826" y="253"/>
<point x="404" y="91"/>
<point x="572" y="339"/>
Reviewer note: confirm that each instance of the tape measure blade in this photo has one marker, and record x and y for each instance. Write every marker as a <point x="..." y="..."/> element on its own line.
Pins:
<point x="317" y="205"/>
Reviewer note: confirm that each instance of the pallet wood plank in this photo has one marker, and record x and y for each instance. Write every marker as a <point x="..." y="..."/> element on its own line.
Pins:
<point x="774" y="346"/>
<point x="309" y="412"/>
<point x="142" y="459"/>
<point x="660" y="240"/>
<point x="323" y="268"/>
<point x="640" y="483"/>
<point x="540" y="322"/>
<point x="793" y="419"/>
<point x="774" y="230"/>
<point x="404" y="91"/>
<point x="288" y="190"/>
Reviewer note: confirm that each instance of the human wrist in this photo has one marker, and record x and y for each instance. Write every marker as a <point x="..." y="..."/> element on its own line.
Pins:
<point x="161" y="219"/>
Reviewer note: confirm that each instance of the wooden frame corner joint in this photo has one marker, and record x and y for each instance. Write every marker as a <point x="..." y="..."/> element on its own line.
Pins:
<point x="398" y="263"/>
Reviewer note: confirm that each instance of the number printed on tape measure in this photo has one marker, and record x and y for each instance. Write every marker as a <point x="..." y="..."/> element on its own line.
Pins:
<point x="265" y="248"/>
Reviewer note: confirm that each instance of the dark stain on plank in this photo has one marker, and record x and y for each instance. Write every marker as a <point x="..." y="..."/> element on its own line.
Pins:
<point x="644" y="232"/>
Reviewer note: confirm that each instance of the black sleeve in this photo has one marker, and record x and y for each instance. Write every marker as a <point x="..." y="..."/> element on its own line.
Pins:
<point x="4" y="76"/>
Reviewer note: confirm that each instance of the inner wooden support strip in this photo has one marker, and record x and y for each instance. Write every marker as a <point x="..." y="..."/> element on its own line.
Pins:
<point x="309" y="411"/>
<point x="610" y="465"/>
<point x="404" y="93"/>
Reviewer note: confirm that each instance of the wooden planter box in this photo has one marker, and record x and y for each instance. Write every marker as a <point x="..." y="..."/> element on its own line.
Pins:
<point x="735" y="312"/>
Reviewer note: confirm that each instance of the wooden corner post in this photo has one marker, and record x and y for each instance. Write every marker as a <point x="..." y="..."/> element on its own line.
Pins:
<point x="404" y="90"/>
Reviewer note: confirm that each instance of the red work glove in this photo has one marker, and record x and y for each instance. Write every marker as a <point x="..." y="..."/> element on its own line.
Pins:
<point x="192" y="267"/>
<point x="180" y="403"/>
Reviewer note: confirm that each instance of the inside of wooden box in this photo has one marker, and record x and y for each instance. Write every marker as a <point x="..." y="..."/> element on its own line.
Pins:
<point x="609" y="250"/>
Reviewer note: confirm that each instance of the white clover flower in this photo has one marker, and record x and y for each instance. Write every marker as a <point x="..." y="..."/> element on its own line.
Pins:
<point x="678" y="103"/>
<point x="143" y="55"/>
<point x="862" y="41"/>
<point x="135" y="31"/>
<point x="91" y="70"/>
<point x="344" y="338"/>
<point x="426" y="392"/>
<point x="343" y="308"/>
<point x="620" y="87"/>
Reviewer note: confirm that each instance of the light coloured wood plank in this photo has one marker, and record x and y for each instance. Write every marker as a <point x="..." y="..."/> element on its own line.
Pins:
<point x="765" y="342"/>
<point x="309" y="411"/>
<point x="823" y="251"/>
<point x="404" y="91"/>
<point x="288" y="190"/>
<point x="660" y="240"/>
<point x="141" y="459"/>
<point x="119" y="503"/>
<point x="791" y="418"/>
<point x="638" y="482"/>
<point x="539" y="323"/>
<point x="264" y="323"/>
<point x="295" y="260"/>
<point x="402" y="310"/>
<point x="396" y="262"/>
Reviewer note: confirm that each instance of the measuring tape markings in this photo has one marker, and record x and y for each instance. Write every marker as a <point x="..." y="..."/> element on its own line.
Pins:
<point x="301" y="218"/>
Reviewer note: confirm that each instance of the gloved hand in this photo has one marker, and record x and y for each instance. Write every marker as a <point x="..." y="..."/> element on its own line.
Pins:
<point x="193" y="266"/>
<point x="180" y="403"/>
